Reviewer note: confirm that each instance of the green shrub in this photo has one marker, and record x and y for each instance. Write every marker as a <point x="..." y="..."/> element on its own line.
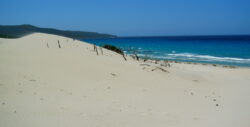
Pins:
<point x="113" y="48"/>
<point x="6" y="36"/>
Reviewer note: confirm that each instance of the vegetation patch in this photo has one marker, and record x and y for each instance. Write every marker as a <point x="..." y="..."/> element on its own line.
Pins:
<point x="113" y="48"/>
<point x="6" y="36"/>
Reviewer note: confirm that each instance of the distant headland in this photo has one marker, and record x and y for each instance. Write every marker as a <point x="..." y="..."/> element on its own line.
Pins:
<point x="16" y="31"/>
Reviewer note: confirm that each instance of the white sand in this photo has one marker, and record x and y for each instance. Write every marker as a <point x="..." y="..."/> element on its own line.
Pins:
<point x="72" y="86"/>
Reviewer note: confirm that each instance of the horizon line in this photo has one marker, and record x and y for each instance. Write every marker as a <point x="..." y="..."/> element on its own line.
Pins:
<point x="192" y="35"/>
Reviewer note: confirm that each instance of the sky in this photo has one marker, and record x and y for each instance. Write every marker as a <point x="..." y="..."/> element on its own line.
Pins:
<point x="132" y="17"/>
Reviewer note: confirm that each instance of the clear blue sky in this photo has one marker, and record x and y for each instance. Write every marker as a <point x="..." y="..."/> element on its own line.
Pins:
<point x="132" y="17"/>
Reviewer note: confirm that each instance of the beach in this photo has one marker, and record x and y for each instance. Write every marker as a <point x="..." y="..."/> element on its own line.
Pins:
<point x="49" y="80"/>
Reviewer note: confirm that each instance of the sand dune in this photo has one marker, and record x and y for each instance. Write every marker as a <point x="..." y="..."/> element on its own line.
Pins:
<point x="44" y="85"/>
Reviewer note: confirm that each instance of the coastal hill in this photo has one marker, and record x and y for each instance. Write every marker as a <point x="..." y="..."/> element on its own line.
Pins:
<point x="15" y="31"/>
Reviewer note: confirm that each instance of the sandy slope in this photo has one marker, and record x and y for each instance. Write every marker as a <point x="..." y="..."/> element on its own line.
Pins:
<point x="72" y="86"/>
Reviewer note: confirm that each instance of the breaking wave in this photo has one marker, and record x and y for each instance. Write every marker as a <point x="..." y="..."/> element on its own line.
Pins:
<point x="195" y="57"/>
<point x="190" y="56"/>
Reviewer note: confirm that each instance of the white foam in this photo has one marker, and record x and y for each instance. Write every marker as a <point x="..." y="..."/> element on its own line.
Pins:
<point x="208" y="57"/>
<point x="196" y="57"/>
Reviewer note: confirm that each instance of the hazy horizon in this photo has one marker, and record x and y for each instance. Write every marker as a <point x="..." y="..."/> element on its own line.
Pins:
<point x="130" y="18"/>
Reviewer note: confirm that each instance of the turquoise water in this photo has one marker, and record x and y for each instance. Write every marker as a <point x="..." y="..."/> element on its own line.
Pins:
<point x="227" y="50"/>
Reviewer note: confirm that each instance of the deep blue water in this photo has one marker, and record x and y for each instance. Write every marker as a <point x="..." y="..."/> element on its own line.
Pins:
<point x="227" y="50"/>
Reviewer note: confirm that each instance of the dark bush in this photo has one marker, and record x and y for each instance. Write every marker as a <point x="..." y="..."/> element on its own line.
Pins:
<point x="113" y="48"/>
<point x="6" y="36"/>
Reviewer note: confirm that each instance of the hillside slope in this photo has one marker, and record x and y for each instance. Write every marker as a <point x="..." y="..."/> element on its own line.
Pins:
<point x="22" y="30"/>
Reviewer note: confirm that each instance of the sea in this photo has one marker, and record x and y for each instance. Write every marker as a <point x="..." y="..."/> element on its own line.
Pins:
<point x="225" y="50"/>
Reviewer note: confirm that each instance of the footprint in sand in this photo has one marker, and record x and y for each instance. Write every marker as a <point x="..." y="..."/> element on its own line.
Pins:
<point x="108" y="87"/>
<point x="195" y="80"/>
<point x="191" y="93"/>
<point x="196" y="118"/>
<point x="80" y="114"/>
<point x="62" y="108"/>
<point x="172" y="119"/>
<point x="214" y="99"/>
<point x="113" y="74"/>
<point x="149" y="110"/>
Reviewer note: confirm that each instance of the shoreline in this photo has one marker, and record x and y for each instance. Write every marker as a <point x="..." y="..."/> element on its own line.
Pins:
<point x="224" y="52"/>
<point x="194" y="63"/>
